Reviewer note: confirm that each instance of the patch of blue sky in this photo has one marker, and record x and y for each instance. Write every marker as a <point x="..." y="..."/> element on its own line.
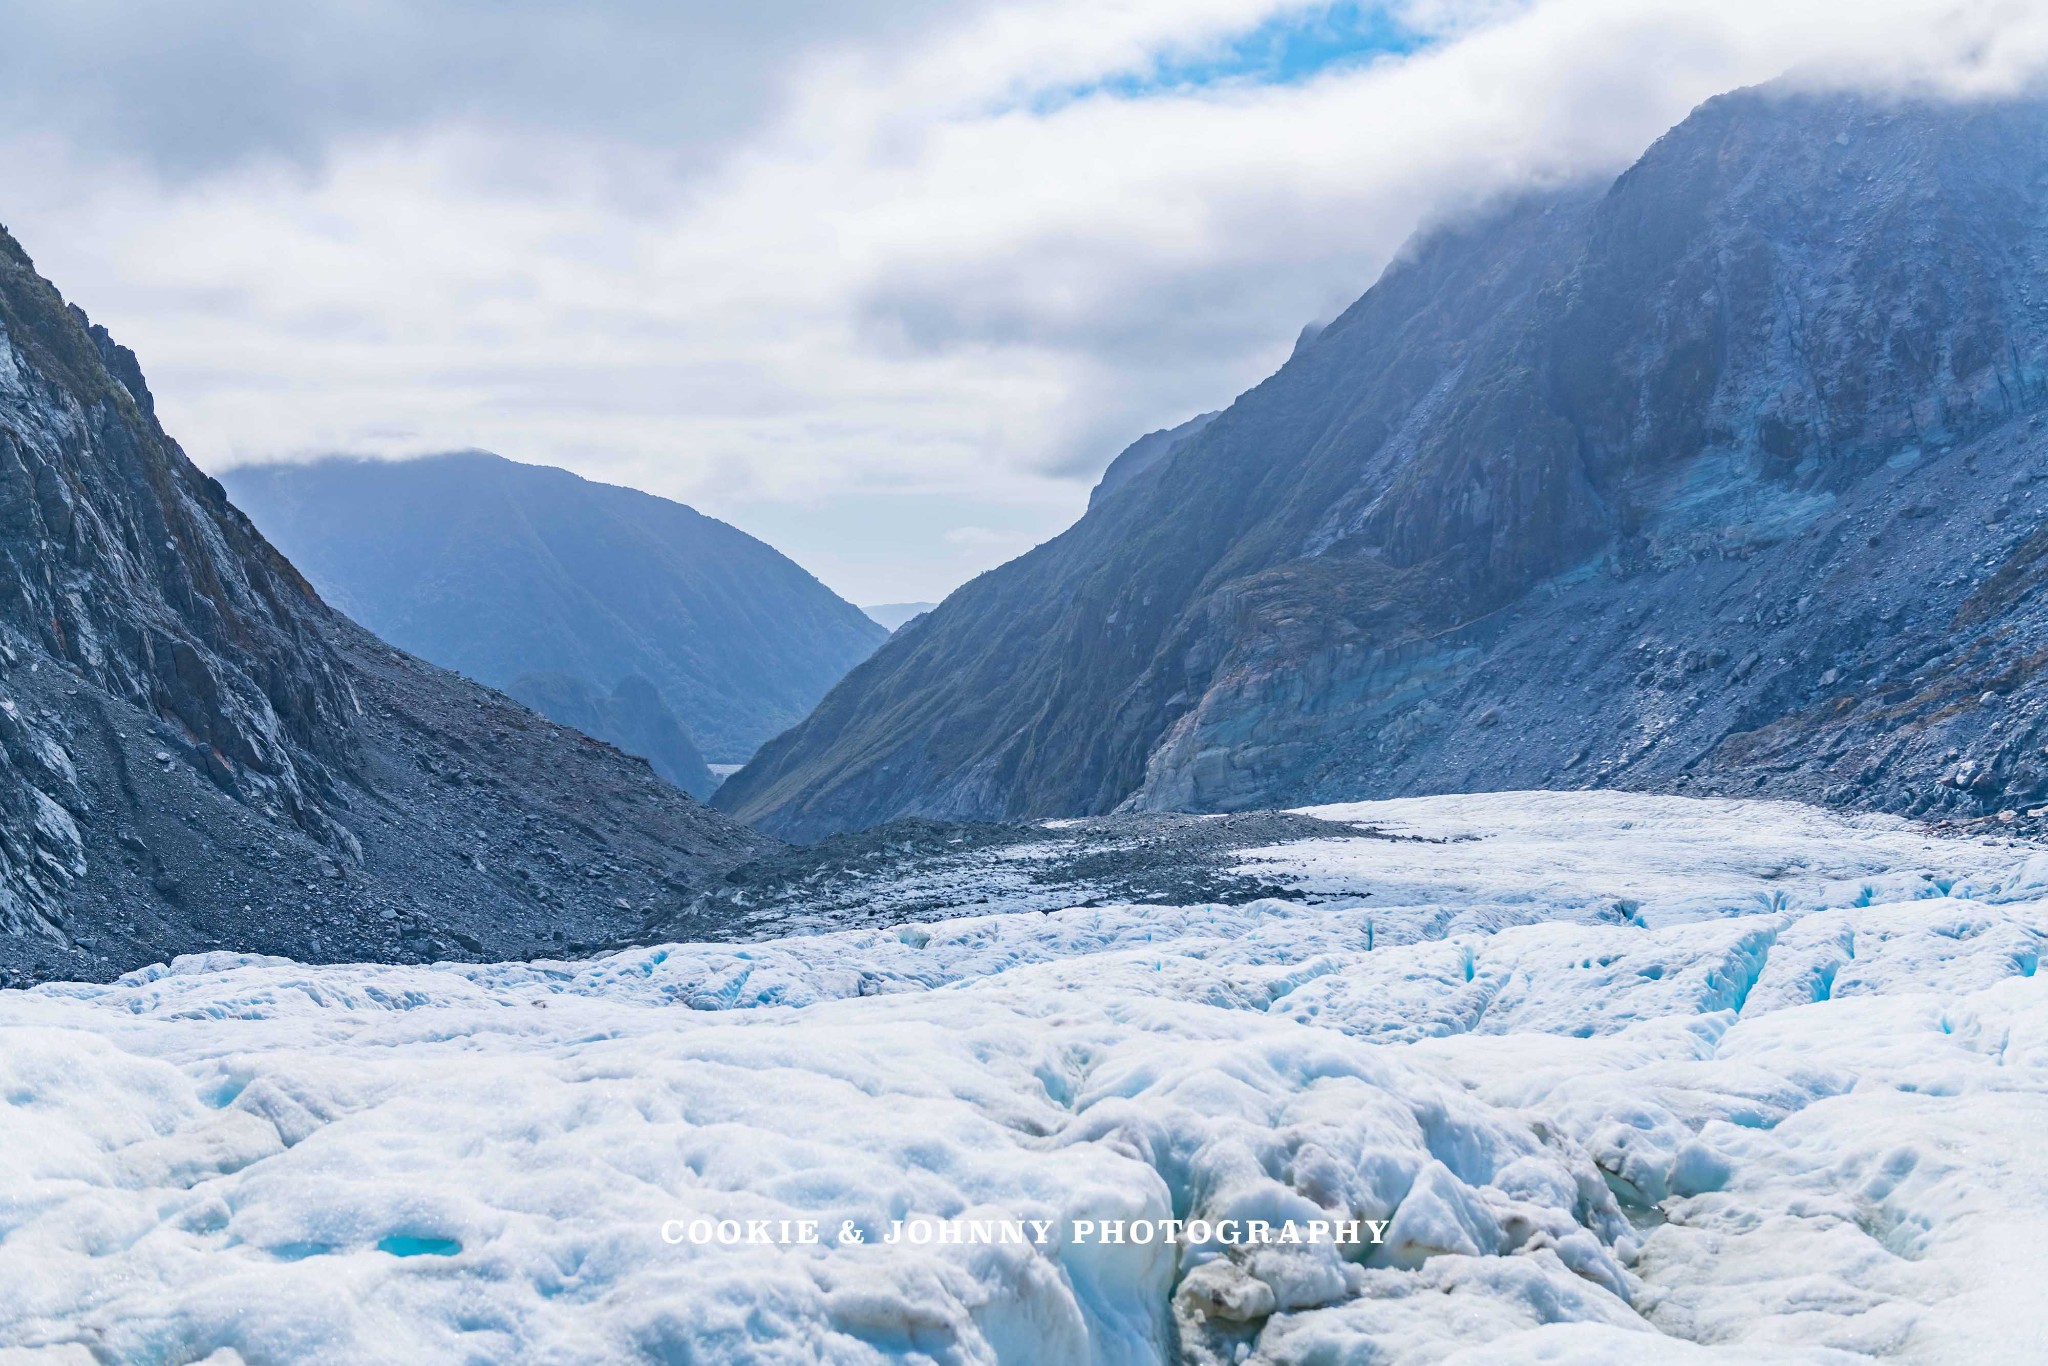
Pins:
<point x="1287" y="49"/>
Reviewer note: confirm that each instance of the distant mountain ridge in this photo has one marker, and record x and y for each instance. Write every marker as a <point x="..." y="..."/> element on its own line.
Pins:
<point x="1146" y="452"/>
<point x="893" y="616"/>
<point x="499" y="570"/>
<point x="197" y="753"/>
<point x="1718" y="478"/>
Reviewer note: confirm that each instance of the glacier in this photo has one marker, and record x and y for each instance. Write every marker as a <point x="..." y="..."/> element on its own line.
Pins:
<point x="1626" y="1078"/>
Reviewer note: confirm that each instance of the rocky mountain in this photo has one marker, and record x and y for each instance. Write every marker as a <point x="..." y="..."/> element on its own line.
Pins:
<point x="1726" y="477"/>
<point x="497" y="569"/>
<point x="196" y="752"/>
<point x="632" y="716"/>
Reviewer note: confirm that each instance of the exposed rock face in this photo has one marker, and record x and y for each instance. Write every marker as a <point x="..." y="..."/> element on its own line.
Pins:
<point x="196" y="752"/>
<point x="1719" y="478"/>
<point x="632" y="716"/>
<point x="498" y="569"/>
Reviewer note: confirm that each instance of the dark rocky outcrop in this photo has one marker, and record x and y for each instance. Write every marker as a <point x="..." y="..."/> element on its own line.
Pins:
<point x="497" y="569"/>
<point x="196" y="752"/>
<point x="1719" y="478"/>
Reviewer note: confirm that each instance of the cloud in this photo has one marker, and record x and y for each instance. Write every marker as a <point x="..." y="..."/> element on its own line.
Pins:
<point x="190" y="87"/>
<point x="783" y="258"/>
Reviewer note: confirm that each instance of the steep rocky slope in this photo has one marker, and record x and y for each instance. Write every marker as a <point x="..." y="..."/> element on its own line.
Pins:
<point x="196" y="752"/>
<point x="1720" y="478"/>
<point x="498" y="569"/>
<point x="631" y="716"/>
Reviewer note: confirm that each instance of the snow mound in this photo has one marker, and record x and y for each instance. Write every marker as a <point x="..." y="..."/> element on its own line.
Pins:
<point x="1618" y="1078"/>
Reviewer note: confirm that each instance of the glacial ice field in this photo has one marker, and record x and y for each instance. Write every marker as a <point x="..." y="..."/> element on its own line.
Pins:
<point x="1623" y="1078"/>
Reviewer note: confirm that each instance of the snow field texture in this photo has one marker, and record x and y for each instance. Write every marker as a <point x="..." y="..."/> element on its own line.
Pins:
<point x="1629" y="1078"/>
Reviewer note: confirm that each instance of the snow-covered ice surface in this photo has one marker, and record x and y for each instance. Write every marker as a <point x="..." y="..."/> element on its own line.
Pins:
<point x="1631" y="1079"/>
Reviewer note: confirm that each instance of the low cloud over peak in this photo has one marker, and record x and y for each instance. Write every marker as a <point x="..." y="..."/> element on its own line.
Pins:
<point x="934" y="262"/>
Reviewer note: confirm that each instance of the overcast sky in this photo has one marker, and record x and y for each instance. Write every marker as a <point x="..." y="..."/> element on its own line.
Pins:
<point x="885" y="282"/>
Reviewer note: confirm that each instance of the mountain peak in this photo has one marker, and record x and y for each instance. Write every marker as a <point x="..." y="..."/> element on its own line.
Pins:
<point x="499" y="569"/>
